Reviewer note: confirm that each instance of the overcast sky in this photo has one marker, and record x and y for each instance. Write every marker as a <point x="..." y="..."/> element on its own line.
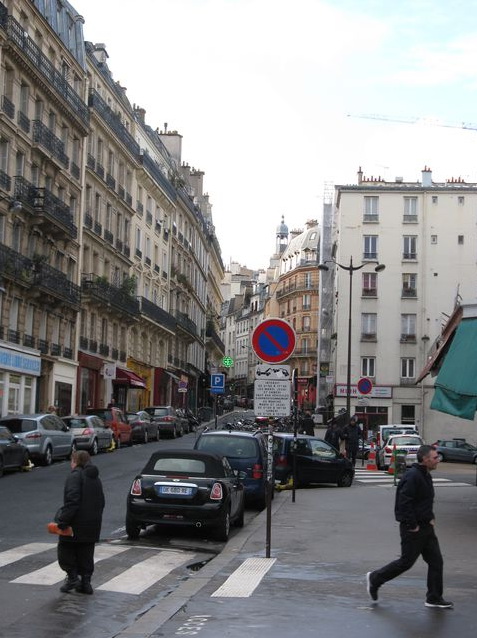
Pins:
<point x="266" y="94"/>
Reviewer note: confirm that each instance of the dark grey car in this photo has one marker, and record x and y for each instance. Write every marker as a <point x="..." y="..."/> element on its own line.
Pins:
<point x="13" y="454"/>
<point x="167" y="420"/>
<point x="90" y="432"/>
<point x="45" y="435"/>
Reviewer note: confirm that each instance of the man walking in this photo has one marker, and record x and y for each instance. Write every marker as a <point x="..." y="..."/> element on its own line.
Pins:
<point x="352" y="433"/>
<point x="414" y="512"/>
<point x="82" y="510"/>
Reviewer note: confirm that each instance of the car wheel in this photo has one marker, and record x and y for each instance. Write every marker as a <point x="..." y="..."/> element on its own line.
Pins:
<point x="174" y="433"/>
<point x="94" y="448"/>
<point x="222" y="531"/>
<point x="345" y="480"/>
<point x="48" y="456"/>
<point x="132" y="529"/>
<point x="1" y="467"/>
<point x="440" y="457"/>
<point x="25" y="462"/>
<point x="146" y="437"/>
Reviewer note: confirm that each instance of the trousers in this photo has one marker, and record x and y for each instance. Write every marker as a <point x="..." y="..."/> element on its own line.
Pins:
<point x="414" y="544"/>
<point x="76" y="558"/>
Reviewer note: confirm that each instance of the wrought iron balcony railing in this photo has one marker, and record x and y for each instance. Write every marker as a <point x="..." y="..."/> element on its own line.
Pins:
<point x="108" y="294"/>
<point x="43" y="136"/>
<point x="160" y="316"/>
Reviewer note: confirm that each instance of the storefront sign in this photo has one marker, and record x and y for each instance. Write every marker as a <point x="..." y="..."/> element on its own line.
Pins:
<point x="377" y="392"/>
<point x="20" y="362"/>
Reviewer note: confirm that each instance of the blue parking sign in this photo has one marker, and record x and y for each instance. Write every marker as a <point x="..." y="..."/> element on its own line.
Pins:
<point x="217" y="383"/>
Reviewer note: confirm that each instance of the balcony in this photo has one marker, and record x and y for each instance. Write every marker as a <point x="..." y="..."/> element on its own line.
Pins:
<point x="370" y="255"/>
<point x="106" y="295"/>
<point x="409" y="292"/>
<point x="408" y="338"/>
<point x="149" y="218"/>
<point x="91" y="162"/>
<point x="83" y="343"/>
<point x="296" y="288"/>
<point x="409" y="256"/>
<point x="44" y="137"/>
<point x="370" y="219"/>
<point x="28" y="341"/>
<point x="5" y="181"/>
<point x="8" y="107"/>
<point x="39" y="63"/>
<point x="304" y="352"/>
<point x="369" y="292"/>
<point x="104" y="350"/>
<point x="75" y="170"/>
<point x="55" y="350"/>
<point x="368" y="336"/>
<point x="139" y="208"/>
<point x="47" y="209"/>
<point x="110" y="181"/>
<point x="88" y="220"/>
<point x="23" y="122"/>
<point x="15" y="266"/>
<point x="160" y="316"/>
<point x="92" y="345"/>
<point x="113" y="121"/>
<point x="114" y="354"/>
<point x="119" y="245"/>
<point x="99" y="170"/>
<point x="43" y="346"/>
<point x="54" y="284"/>
<point x="13" y="336"/>
<point x="151" y="167"/>
<point x="121" y="192"/>
<point x="98" y="228"/>
<point x="108" y="236"/>
<point x="67" y="353"/>
<point x="128" y="199"/>
<point x="212" y="335"/>
<point x="185" y="323"/>
<point x="410" y="219"/>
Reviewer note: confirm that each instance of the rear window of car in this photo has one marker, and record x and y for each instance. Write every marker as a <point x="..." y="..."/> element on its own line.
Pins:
<point x="75" y="423"/>
<point x="176" y="465"/>
<point x="157" y="411"/>
<point x="405" y="440"/>
<point x="21" y="425"/>
<point x="232" y="447"/>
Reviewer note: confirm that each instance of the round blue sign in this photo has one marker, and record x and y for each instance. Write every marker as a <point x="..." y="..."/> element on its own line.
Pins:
<point x="273" y="340"/>
<point x="364" y="386"/>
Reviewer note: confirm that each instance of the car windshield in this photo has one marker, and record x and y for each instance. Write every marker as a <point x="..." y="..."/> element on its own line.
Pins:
<point x="405" y="440"/>
<point x="21" y="425"/>
<point x="231" y="447"/>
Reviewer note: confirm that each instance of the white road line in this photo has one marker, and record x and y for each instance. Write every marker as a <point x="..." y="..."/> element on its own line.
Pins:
<point x="52" y="574"/>
<point x="143" y="575"/>
<point x="12" y="555"/>
<point x="243" y="582"/>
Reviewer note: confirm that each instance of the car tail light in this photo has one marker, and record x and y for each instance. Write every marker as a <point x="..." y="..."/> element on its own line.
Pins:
<point x="282" y="460"/>
<point x="388" y="449"/>
<point x="33" y="435"/>
<point x="136" y="488"/>
<point x="168" y="418"/>
<point x="257" y="471"/>
<point x="88" y="431"/>
<point x="216" y="493"/>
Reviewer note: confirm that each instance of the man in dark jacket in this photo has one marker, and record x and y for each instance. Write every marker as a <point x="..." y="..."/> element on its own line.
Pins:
<point x="351" y="434"/>
<point x="414" y="512"/>
<point x="333" y="434"/>
<point x="307" y="425"/>
<point x="82" y="509"/>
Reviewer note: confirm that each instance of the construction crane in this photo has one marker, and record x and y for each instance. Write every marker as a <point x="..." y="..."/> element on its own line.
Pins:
<point x="416" y="120"/>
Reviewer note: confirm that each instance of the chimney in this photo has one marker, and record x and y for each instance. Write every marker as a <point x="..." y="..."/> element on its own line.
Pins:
<point x="360" y="175"/>
<point x="140" y="114"/>
<point x="426" y="177"/>
<point x="100" y="52"/>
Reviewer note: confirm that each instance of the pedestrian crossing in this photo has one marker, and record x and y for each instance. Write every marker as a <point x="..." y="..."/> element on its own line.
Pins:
<point x="138" y="570"/>
<point x="382" y="478"/>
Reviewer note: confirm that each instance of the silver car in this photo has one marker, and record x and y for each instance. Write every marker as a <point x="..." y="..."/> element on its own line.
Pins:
<point x="45" y="435"/>
<point x="90" y="432"/>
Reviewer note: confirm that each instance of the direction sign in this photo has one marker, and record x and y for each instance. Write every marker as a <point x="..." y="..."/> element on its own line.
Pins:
<point x="217" y="383"/>
<point x="273" y="340"/>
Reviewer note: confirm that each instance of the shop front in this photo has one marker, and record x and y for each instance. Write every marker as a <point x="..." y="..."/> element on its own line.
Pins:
<point x="129" y="390"/>
<point x="19" y="372"/>
<point x="89" y="393"/>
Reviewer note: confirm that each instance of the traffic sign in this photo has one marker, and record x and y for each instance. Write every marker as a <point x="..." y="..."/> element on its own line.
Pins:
<point x="364" y="386"/>
<point x="273" y="340"/>
<point x="265" y="371"/>
<point x="217" y="383"/>
<point x="272" y="397"/>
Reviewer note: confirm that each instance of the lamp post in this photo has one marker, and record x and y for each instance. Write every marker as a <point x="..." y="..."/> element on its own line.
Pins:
<point x="351" y="269"/>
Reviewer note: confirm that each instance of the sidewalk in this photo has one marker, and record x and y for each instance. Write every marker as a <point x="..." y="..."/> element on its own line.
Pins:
<point x="322" y="545"/>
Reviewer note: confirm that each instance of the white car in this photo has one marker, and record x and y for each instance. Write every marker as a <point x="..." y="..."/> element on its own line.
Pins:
<point x="409" y="443"/>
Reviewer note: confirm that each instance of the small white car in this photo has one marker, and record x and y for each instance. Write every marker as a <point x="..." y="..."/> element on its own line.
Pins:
<point x="410" y="443"/>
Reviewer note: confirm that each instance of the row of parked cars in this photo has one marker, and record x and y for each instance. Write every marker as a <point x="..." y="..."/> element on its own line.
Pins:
<point x="43" y="438"/>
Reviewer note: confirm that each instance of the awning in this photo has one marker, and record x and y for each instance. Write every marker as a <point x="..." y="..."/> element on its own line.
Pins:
<point x="456" y="384"/>
<point x="130" y="377"/>
<point x="441" y="345"/>
<point x="174" y="376"/>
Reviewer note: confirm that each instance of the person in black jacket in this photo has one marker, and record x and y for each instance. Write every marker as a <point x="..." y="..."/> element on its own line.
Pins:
<point x="82" y="509"/>
<point x="414" y="512"/>
<point x="352" y="433"/>
<point x="307" y="425"/>
<point x="333" y="434"/>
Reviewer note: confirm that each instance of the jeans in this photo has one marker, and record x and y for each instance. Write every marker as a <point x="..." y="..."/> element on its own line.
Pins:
<point x="414" y="544"/>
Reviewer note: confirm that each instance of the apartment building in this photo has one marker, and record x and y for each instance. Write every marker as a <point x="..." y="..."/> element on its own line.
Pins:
<point x="424" y="234"/>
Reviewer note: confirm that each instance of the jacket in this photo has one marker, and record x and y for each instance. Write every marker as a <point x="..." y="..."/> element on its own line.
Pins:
<point x="83" y="504"/>
<point x="415" y="497"/>
<point x="351" y="435"/>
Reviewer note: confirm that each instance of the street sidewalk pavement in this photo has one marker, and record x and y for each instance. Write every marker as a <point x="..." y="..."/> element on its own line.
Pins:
<point x="313" y="584"/>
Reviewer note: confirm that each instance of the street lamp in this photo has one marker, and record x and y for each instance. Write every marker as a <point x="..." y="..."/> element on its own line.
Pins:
<point x="351" y="269"/>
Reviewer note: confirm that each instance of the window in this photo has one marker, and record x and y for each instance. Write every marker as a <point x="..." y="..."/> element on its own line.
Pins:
<point x="371" y="210"/>
<point x="408" y="367"/>
<point x="461" y="200"/>
<point x="4" y="146"/>
<point x="433" y="239"/>
<point x="435" y="199"/>
<point x="306" y="302"/>
<point x="410" y="209"/>
<point x="409" y="247"/>
<point x="460" y="239"/>
<point x="370" y="250"/>
<point x="308" y="281"/>
<point x="305" y="323"/>
<point x="368" y="325"/>
<point x="409" y="285"/>
<point x="368" y="366"/>
<point x="20" y="164"/>
<point x="408" y="327"/>
<point x="370" y="284"/>
<point x="24" y="98"/>
<point x="408" y="414"/>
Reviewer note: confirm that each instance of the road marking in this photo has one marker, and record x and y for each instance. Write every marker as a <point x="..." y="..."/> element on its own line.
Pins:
<point x="52" y="574"/>
<point x="245" y="579"/>
<point x="143" y="575"/>
<point x="12" y="555"/>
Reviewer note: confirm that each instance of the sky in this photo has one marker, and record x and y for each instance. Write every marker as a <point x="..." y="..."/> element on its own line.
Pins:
<point x="269" y="96"/>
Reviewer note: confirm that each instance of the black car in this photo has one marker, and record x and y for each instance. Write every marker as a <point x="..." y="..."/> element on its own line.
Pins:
<point x="316" y="461"/>
<point x="186" y="488"/>
<point x="246" y="452"/>
<point x="13" y="454"/>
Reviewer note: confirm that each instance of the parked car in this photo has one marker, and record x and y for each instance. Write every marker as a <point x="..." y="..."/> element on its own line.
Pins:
<point x="246" y="452"/>
<point x="316" y="461"/>
<point x="144" y="429"/>
<point x="186" y="488"/>
<point x="456" y="450"/>
<point x="45" y="435"/>
<point x="408" y="443"/>
<point x="167" y="420"/>
<point x="13" y="453"/>
<point x="385" y="431"/>
<point x="90" y="432"/>
<point x="115" y="419"/>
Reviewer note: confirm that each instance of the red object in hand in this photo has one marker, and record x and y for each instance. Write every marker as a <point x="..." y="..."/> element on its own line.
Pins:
<point x="54" y="529"/>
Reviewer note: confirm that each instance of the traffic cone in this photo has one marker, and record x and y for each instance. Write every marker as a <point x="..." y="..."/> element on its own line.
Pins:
<point x="371" y="465"/>
<point x="392" y="464"/>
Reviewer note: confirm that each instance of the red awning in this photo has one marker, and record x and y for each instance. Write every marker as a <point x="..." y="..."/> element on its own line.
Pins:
<point x="129" y="377"/>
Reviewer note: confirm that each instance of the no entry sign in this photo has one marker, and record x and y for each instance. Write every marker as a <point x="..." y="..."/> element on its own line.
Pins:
<point x="273" y="340"/>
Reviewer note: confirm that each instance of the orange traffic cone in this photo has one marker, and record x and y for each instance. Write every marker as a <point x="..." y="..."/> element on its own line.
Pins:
<point x="371" y="465"/>
<point x="392" y="464"/>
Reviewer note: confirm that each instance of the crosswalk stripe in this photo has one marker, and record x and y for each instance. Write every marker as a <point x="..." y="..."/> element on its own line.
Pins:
<point x="143" y="575"/>
<point x="52" y="574"/>
<point x="17" y="553"/>
<point x="245" y="579"/>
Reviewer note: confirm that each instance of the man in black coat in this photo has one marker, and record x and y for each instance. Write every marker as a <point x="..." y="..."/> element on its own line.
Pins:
<point x="82" y="510"/>
<point x="414" y="512"/>
<point x="307" y="425"/>
<point x="352" y="434"/>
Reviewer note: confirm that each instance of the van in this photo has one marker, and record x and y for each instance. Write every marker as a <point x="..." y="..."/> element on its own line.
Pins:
<point x="385" y="431"/>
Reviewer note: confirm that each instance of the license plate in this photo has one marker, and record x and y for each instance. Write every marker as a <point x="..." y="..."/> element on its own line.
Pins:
<point x="175" y="489"/>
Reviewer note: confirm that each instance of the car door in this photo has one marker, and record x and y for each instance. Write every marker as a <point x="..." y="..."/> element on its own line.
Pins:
<point x="463" y="452"/>
<point x="12" y="450"/>
<point x="102" y="434"/>
<point x="325" y="464"/>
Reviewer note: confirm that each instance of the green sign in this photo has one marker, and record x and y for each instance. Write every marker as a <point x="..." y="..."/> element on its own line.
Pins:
<point x="228" y="362"/>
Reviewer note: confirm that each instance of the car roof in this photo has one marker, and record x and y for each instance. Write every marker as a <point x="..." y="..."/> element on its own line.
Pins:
<point x="10" y="417"/>
<point x="210" y="459"/>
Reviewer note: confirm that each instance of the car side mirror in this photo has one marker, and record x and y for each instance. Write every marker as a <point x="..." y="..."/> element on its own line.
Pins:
<point x="15" y="438"/>
<point x="65" y="428"/>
